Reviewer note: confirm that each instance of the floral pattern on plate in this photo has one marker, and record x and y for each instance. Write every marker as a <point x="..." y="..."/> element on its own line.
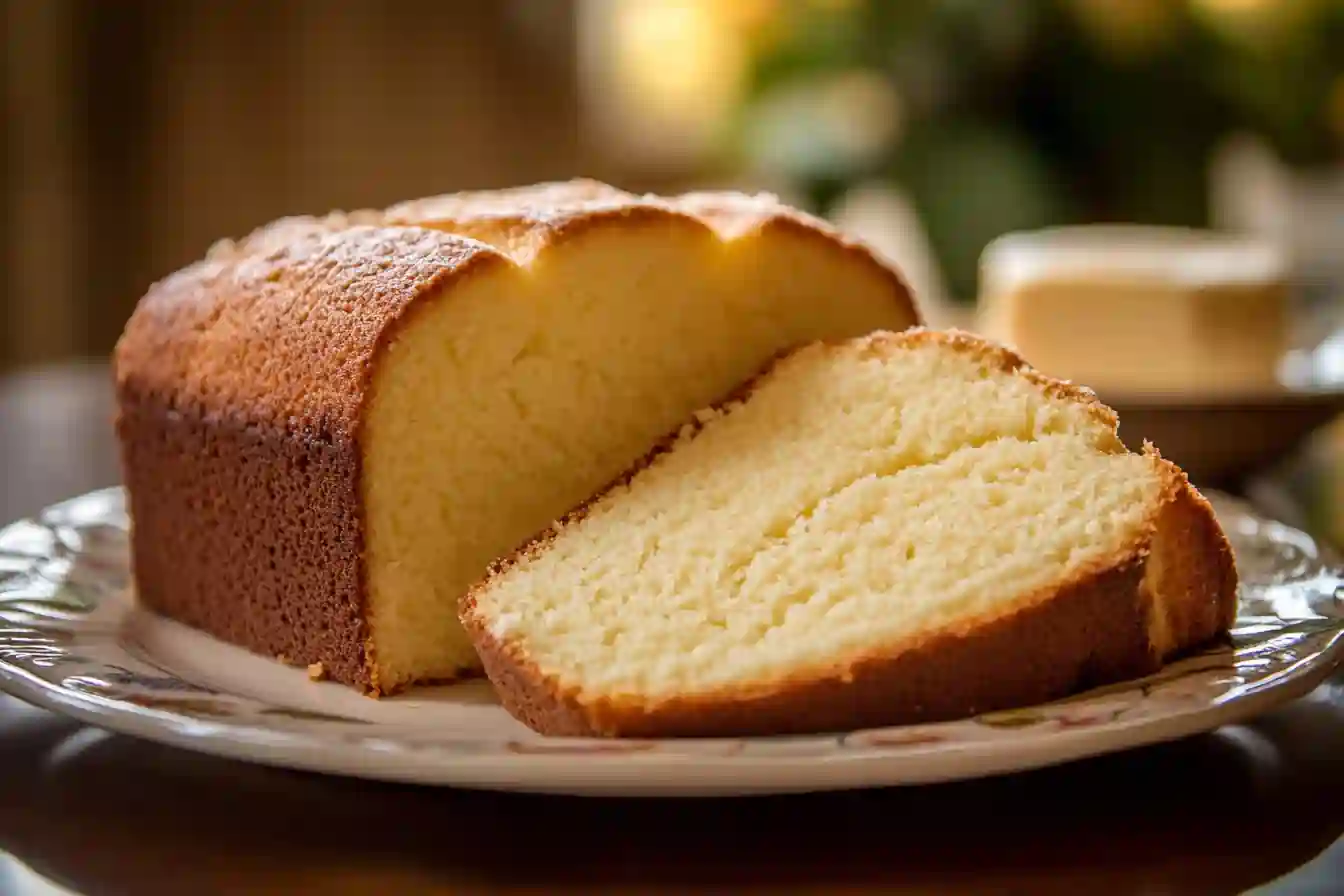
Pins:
<point x="72" y="639"/>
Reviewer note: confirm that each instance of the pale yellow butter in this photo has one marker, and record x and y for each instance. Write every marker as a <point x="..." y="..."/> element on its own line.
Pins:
<point x="1134" y="310"/>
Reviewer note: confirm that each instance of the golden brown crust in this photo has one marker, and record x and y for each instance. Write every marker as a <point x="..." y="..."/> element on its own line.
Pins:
<point x="284" y="333"/>
<point x="522" y="221"/>
<point x="240" y="385"/>
<point x="1190" y="578"/>
<point x="242" y="382"/>
<point x="1089" y="632"/>
<point x="1095" y="629"/>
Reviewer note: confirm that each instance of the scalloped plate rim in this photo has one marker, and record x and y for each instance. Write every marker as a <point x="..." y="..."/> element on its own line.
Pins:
<point x="722" y="766"/>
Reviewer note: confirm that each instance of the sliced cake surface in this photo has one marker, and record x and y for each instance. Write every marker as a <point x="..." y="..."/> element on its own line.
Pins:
<point x="891" y="529"/>
<point x="331" y="427"/>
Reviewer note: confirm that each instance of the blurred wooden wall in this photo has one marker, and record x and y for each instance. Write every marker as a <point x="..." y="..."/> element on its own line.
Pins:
<point x="139" y="131"/>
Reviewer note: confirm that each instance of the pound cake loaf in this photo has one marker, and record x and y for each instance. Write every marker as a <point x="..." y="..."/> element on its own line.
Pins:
<point x="899" y="528"/>
<point x="330" y="428"/>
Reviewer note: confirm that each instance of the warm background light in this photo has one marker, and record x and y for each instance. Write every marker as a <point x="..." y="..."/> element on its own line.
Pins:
<point x="660" y="76"/>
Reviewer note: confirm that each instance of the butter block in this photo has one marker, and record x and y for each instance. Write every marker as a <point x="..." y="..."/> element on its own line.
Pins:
<point x="1131" y="310"/>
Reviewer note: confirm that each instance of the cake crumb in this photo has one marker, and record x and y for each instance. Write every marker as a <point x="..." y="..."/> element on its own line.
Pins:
<point x="316" y="671"/>
<point x="281" y="658"/>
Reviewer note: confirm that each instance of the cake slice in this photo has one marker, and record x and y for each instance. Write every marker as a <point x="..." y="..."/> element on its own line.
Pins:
<point x="901" y="528"/>
<point x="329" y="429"/>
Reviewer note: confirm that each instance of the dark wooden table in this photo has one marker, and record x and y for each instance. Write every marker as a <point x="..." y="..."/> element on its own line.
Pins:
<point x="103" y="813"/>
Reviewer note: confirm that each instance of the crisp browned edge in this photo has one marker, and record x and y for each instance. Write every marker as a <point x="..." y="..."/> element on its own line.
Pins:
<point x="180" y="419"/>
<point x="559" y="229"/>
<point x="1091" y="630"/>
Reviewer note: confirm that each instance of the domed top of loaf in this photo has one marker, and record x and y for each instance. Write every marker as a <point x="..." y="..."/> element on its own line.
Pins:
<point x="283" y="324"/>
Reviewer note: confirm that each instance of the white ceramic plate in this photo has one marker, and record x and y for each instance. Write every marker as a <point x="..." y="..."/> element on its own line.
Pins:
<point x="72" y="640"/>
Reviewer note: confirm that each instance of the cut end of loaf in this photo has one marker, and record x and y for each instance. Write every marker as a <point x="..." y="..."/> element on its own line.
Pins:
<point x="540" y="377"/>
<point x="901" y="527"/>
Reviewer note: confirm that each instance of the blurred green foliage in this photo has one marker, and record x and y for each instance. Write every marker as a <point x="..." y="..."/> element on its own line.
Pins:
<point x="1018" y="114"/>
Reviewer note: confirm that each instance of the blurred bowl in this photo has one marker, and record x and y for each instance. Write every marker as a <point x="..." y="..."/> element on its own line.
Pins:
<point x="1224" y="440"/>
